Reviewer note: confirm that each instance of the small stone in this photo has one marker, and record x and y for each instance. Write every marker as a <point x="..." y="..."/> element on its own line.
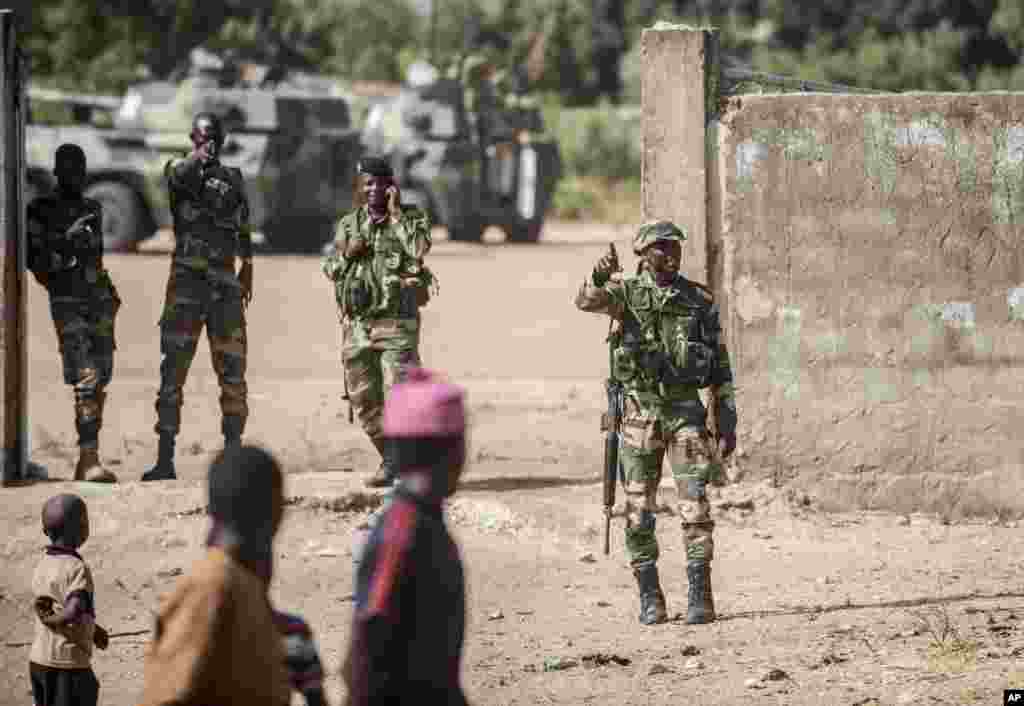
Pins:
<point x="588" y="559"/>
<point x="774" y="674"/>
<point x="690" y="651"/>
<point x="753" y="684"/>
<point x="658" y="669"/>
<point x="170" y="573"/>
<point x="693" y="664"/>
<point x="496" y="615"/>
<point x="604" y="604"/>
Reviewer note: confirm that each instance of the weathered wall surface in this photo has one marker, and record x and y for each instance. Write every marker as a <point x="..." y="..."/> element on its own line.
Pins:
<point x="871" y="259"/>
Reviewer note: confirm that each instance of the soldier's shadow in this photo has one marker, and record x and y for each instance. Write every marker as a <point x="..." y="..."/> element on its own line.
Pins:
<point x="506" y="483"/>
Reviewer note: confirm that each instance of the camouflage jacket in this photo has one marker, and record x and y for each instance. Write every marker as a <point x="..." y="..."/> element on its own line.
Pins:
<point x="668" y="342"/>
<point x="67" y="264"/>
<point x="389" y="280"/>
<point x="210" y="212"/>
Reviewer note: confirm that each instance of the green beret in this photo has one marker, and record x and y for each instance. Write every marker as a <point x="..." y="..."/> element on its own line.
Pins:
<point x="653" y="231"/>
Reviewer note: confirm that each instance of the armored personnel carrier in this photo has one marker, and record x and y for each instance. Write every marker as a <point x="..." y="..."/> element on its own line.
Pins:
<point x="465" y="177"/>
<point x="292" y="137"/>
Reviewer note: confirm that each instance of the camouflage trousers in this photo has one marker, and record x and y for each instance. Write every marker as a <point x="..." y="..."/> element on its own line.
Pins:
<point x="85" y="337"/>
<point x="374" y="355"/>
<point x="198" y="297"/>
<point x="647" y="438"/>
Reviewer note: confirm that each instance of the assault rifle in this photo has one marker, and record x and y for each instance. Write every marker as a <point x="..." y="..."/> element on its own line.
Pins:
<point x="611" y="425"/>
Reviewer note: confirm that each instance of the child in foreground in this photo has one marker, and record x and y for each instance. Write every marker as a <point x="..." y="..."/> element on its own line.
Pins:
<point x="60" y="663"/>
<point x="216" y="642"/>
<point x="409" y="624"/>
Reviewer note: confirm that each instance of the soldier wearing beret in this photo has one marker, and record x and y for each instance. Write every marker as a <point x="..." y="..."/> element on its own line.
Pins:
<point x="666" y="346"/>
<point x="380" y="283"/>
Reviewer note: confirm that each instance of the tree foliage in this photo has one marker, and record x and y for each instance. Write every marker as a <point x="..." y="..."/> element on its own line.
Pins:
<point x="575" y="49"/>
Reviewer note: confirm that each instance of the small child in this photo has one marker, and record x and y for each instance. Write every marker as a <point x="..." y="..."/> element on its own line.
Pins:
<point x="409" y="624"/>
<point x="65" y="604"/>
<point x="216" y="642"/>
<point x="302" y="658"/>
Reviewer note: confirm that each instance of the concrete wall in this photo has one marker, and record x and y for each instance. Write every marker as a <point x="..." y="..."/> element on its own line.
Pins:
<point x="872" y="284"/>
<point x="677" y="66"/>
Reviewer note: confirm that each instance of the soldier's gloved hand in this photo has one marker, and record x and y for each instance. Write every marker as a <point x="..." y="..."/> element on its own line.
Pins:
<point x="726" y="444"/>
<point x="245" y="279"/>
<point x="356" y="246"/>
<point x="603" y="270"/>
<point x="394" y="201"/>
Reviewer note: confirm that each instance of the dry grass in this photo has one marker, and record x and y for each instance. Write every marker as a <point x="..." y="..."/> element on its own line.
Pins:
<point x="948" y="651"/>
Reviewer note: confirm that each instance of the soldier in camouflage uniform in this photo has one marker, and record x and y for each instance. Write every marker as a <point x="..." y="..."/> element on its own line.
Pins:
<point x="667" y="346"/>
<point x="380" y="283"/>
<point x="65" y="254"/>
<point x="211" y="228"/>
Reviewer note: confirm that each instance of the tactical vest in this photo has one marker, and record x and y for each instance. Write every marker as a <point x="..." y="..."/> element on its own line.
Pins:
<point x="373" y="285"/>
<point x="665" y="338"/>
<point x="55" y="215"/>
<point x="208" y="214"/>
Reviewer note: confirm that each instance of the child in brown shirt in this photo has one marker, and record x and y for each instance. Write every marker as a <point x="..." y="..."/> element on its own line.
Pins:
<point x="60" y="661"/>
<point x="216" y="642"/>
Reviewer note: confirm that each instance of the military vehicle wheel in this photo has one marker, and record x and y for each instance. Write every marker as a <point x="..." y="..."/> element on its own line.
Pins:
<point x="123" y="218"/>
<point x="523" y="231"/>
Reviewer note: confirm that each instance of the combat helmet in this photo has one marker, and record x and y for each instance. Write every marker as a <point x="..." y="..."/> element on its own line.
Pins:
<point x="653" y="231"/>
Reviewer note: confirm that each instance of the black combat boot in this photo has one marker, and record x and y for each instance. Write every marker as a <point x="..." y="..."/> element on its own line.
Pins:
<point x="384" y="476"/>
<point x="164" y="468"/>
<point x="700" y="602"/>
<point x="232" y="427"/>
<point x="652" y="600"/>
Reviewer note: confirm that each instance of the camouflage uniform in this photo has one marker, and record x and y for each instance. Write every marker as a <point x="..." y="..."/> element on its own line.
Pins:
<point x="379" y="295"/>
<point x="83" y="304"/>
<point x="211" y="226"/>
<point x="667" y="346"/>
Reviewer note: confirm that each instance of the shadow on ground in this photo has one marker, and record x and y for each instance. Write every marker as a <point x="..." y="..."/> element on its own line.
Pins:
<point x="507" y="483"/>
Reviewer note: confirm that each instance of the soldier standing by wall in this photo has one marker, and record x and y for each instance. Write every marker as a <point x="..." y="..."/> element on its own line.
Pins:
<point x="380" y="283"/>
<point x="666" y="348"/>
<point x="211" y="228"/>
<point x="65" y="254"/>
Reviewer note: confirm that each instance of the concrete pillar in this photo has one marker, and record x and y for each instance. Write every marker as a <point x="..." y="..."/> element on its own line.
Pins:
<point x="679" y="93"/>
<point x="13" y="346"/>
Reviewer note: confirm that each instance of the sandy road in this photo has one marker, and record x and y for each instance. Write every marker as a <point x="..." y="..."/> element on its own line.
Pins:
<point x="528" y="515"/>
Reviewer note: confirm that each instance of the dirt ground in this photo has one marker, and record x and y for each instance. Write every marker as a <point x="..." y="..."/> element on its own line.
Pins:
<point x="815" y="608"/>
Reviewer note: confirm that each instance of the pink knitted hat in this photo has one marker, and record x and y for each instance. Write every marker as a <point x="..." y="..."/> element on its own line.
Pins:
<point x="423" y="405"/>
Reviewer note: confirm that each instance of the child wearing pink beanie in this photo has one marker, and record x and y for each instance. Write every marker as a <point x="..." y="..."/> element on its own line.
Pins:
<point x="409" y="622"/>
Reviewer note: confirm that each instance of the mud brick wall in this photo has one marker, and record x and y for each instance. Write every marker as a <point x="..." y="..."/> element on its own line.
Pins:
<point x="866" y="253"/>
<point x="872" y="281"/>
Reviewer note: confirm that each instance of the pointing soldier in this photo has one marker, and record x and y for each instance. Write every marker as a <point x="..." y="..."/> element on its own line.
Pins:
<point x="667" y="346"/>
<point x="65" y="254"/>
<point x="380" y="283"/>
<point x="211" y="228"/>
